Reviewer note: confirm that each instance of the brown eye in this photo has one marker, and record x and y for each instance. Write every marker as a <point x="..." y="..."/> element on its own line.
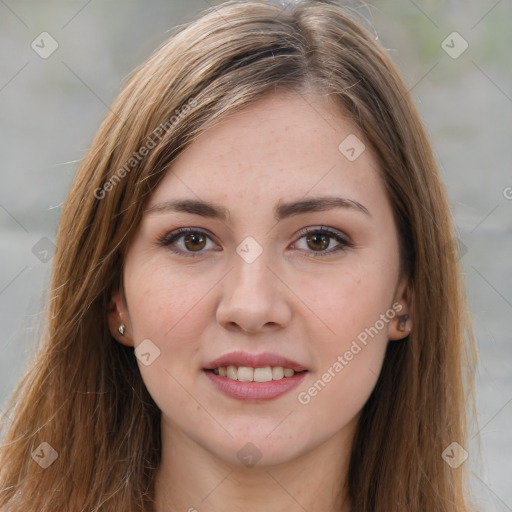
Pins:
<point x="318" y="242"/>
<point x="194" y="241"/>
<point x="187" y="242"/>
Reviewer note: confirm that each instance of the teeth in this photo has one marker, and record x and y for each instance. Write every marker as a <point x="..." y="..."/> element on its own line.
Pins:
<point x="248" y="374"/>
<point x="262" y="374"/>
<point x="232" y="372"/>
<point x="245" y="374"/>
<point x="277" y="372"/>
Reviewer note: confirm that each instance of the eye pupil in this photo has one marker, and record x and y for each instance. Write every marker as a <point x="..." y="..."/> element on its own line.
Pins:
<point x="319" y="238"/>
<point x="194" y="238"/>
<point x="194" y="241"/>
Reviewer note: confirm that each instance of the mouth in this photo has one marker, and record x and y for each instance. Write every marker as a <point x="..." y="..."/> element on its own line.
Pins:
<point x="250" y="374"/>
<point x="254" y="377"/>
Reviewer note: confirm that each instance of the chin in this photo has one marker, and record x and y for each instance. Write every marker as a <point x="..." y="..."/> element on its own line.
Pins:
<point x="258" y="450"/>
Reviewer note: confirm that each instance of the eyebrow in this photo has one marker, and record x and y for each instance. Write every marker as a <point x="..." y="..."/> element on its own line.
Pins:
<point x="281" y="211"/>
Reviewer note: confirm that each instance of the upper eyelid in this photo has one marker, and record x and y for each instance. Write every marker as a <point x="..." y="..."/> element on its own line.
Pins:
<point x="178" y="233"/>
<point x="326" y="229"/>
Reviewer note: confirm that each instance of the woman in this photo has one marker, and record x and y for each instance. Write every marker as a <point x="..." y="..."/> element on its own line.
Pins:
<point x="255" y="299"/>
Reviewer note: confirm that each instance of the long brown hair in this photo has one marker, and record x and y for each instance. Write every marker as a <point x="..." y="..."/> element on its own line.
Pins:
<point x="83" y="393"/>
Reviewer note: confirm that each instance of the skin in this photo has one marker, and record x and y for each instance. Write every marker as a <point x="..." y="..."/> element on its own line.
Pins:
<point x="281" y="148"/>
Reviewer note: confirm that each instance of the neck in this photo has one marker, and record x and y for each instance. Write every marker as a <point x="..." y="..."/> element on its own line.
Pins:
<point x="193" y="479"/>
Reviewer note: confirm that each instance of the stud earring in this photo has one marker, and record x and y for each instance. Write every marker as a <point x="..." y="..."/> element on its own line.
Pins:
<point x="402" y="320"/>
<point x="122" y="329"/>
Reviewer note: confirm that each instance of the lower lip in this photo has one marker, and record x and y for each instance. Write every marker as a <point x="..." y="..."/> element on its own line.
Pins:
<point x="250" y="391"/>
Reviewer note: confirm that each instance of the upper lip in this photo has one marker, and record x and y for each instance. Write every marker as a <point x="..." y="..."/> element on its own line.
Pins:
<point x="254" y="361"/>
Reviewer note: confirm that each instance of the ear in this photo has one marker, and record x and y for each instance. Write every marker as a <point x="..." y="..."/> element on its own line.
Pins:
<point x="401" y="325"/>
<point x="118" y="315"/>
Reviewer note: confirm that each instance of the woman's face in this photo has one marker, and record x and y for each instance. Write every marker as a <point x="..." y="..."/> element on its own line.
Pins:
<point x="292" y="252"/>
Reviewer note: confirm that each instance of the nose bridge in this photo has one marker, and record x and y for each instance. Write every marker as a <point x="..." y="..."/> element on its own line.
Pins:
<point x="251" y="273"/>
<point x="252" y="294"/>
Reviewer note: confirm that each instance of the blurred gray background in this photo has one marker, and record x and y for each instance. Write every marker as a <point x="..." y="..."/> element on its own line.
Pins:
<point x="51" y="105"/>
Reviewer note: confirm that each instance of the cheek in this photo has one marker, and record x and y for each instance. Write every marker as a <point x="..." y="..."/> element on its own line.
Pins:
<point x="335" y="398"/>
<point x="170" y="309"/>
<point x="348" y="301"/>
<point x="350" y="354"/>
<point x="352" y="304"/>
<point x="167" y="305"/>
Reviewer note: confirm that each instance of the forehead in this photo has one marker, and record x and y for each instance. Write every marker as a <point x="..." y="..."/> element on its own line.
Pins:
<point x="284" y="146"/>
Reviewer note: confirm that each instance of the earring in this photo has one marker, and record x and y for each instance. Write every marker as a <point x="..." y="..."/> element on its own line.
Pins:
<point x="122" y="329"/>
<point x="402" y="320"/>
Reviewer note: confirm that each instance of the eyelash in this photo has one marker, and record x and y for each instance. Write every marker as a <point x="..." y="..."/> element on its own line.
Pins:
<point x="170" y="238"/>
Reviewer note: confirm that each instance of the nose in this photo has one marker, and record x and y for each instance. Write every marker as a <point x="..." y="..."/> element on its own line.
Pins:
<point x="253" y="297"/>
